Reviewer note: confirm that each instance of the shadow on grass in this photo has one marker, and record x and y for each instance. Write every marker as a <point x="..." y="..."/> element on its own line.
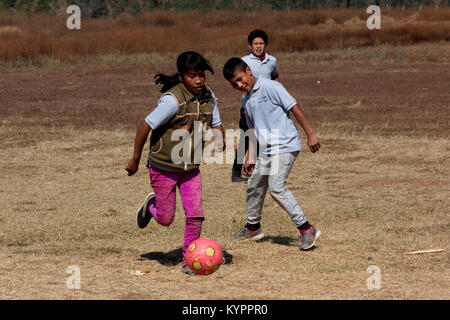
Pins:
<point x="285" y="241"/>
<point x="174" y="257"/>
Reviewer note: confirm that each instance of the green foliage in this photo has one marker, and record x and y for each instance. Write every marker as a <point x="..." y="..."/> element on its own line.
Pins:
<point x="184" y="5"/>
<point x="99" y="8"/>
<point x="25" y="5"/>
<point x="225" y="4"/>
<point x="7" y="4"/>
<point x="42" y="6"/>
<point x="135" y="7"/>
<point x="117" y="7"/>
<point x="91" y="8"/>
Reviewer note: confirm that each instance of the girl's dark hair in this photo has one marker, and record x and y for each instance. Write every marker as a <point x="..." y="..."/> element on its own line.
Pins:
<point x="186" y="61"/>
<point x="232" y="67"/>
<point x="258" y="34"/>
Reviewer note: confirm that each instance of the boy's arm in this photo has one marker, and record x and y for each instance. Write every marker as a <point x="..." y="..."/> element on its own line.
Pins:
<point x="139" y="142"/>
<point x="313" y="141"/>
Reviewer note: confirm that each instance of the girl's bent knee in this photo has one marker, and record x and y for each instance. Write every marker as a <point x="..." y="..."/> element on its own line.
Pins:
<point x="167" y="220"/>
<point x="165" y="223"/>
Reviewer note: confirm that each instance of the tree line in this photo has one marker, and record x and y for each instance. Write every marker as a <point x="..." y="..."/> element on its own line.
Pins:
<point x="98" y="8"/>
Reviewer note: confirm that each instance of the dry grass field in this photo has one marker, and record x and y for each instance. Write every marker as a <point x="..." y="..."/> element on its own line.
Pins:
<point x="378" y="187"/>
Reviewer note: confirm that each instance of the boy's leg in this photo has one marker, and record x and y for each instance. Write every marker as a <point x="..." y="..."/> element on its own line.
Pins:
<point x="284" y="197"/>
<point x="278" y="190"/>
<point x="164" y="184"/>
<point x="256" y="190"/>
<point x="236" y="171"/>
<point x="190" y="186"/>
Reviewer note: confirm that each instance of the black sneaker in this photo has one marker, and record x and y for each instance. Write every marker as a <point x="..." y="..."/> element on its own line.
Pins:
<point x="144" y="215"/>
<point x="236" y="176"/>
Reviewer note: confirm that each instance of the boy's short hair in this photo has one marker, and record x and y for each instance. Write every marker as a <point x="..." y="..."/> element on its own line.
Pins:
<point x="258" y="34"/>
<point x="232" y="67"/>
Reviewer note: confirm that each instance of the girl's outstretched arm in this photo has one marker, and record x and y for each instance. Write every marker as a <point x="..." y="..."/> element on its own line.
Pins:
<point x="139" y="142"/>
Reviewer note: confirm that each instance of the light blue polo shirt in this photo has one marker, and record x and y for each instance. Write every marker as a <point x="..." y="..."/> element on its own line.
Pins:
<point x="267" y="112"/>
<point x="266" y="68"/>
<point x="167" y="108"/>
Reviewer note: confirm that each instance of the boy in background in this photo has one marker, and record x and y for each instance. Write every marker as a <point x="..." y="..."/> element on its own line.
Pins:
<point x="263" y="65"/>
<point x="260" y="62"/>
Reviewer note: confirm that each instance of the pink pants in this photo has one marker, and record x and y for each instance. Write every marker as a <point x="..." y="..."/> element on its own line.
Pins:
<point x="165" y="183"/>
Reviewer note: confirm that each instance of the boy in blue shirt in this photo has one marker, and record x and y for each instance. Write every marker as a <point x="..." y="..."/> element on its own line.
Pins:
<point x="260" y="62"/>
<point x="263" y="65"/>
<point x="267" y="105"/>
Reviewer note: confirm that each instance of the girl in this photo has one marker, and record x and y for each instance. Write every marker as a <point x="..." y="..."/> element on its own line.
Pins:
<point x="186" y="108"/>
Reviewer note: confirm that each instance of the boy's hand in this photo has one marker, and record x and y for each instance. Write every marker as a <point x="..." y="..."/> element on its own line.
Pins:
<point x="132" y="167"/>
<point x="248" y="168"/>
<point x="313" y="143"/>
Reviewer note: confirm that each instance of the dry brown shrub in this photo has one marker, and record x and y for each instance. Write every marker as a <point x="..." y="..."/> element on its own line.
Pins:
<point x="220" y="32"/>
<point x="434" y="15"/>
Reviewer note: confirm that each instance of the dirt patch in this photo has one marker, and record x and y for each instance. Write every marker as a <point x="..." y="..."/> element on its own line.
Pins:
<point x="412" y="182"/>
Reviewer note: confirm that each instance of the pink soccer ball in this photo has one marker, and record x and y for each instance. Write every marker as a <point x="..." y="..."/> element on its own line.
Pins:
<point x="204" y="256"/>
